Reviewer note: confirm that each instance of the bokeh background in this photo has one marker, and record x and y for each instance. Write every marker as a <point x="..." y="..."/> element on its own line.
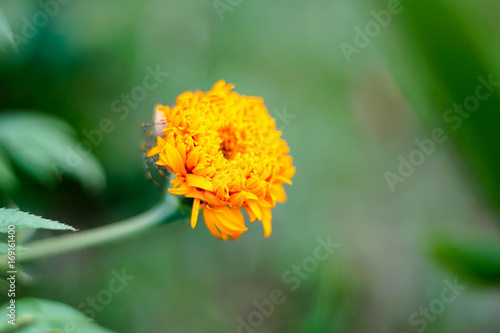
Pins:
<point x="347" y="120"/>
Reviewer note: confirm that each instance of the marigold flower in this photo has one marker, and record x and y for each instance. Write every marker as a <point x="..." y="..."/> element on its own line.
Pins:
<point x="225" y="153"/>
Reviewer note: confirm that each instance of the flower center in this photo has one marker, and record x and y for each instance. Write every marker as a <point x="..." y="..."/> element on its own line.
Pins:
<point x="229" y="147"/>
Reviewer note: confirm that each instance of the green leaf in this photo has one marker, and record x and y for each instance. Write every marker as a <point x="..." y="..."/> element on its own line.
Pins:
<point x="444" y="50"/>
<point x="38" y="315"/>
<point x="8" y="180"/>
<point x="4" y="248"/>
<point x="476" y="260"/>
<point x="23" y="220"/>
<point x="45" y="147"/>
<point x="6" y="37"/>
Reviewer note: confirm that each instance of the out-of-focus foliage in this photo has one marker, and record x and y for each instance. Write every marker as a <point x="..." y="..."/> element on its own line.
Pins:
<point x="475" y="260"/>
<point x="44" y="147"/>
<point x="4" y="248"/>
<point x="346" y="122"/>
<point x="455" y="56"/>
<point x="39" y="315"/>
<point x="454" y="83"/>
<point x="6" y="40"/>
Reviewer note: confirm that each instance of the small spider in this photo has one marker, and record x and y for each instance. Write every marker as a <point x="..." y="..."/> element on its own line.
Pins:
<point x="158" y="175"/>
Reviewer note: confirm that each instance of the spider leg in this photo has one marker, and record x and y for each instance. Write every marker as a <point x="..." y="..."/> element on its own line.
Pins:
<point x="148" y="161"/>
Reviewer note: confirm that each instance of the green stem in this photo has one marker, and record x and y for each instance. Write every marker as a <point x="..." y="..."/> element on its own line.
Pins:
<point x="165" y="212"/>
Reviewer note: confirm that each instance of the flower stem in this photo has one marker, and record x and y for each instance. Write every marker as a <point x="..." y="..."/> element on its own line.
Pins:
<point x="165" y="212"/>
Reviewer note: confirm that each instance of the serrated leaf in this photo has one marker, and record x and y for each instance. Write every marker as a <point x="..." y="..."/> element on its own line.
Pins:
<point x="39" y="315"/>
<point x="45" y="148"/>
<point x="4" y="248"/>
<point x="23" y="220"/>
<point x="476" y="260"/>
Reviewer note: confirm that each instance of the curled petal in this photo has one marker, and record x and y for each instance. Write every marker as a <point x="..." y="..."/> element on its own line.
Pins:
<point x="199" y="181"/>
<point x="254" y="206"/>
<point x="209" y="221"/>
<point x="174" y="159"/>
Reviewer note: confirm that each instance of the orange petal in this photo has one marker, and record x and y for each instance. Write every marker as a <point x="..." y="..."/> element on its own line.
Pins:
<point x="209" y="221"/>
<point x="266" y="221"/>
<point x="213" y="200"/>
<point x="250" y="213"/>
<point x="249" y="196"/>
<point x="238" y="214"/>
<point x="255" y="208"/>
<point x="225" y="230"/>
<point x="199" y="181"/>
<point x="256" y="185"/>
<point x="174" y="159"/>
<point x="264" y="204"/>
<point x="278" y="193"/>
<point x="194" y="212"/>
<point x="252" y="183"/>
<point x="180" y="190"/>
<point x="284" y="180"/>
<point x="179" y="181"/>
<point x="289" y="173"/>
<point x="160" y="141"/>
<point x="181" y="148"/>
<point x="230" y="219"/>
<point x="154" y="151"/>
<point x="196" y="194"/>
<point x="234" y="237"/>
<point x="162" y="161"/>
<point x="236" y="199"/>
<point x="192" y="159"/>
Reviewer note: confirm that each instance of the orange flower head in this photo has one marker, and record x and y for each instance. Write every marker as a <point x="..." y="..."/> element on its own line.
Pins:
<point x="225" y="153"/>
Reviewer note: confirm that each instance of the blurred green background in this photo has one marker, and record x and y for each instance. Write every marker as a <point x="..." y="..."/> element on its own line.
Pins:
<point x="347" y="117"/>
